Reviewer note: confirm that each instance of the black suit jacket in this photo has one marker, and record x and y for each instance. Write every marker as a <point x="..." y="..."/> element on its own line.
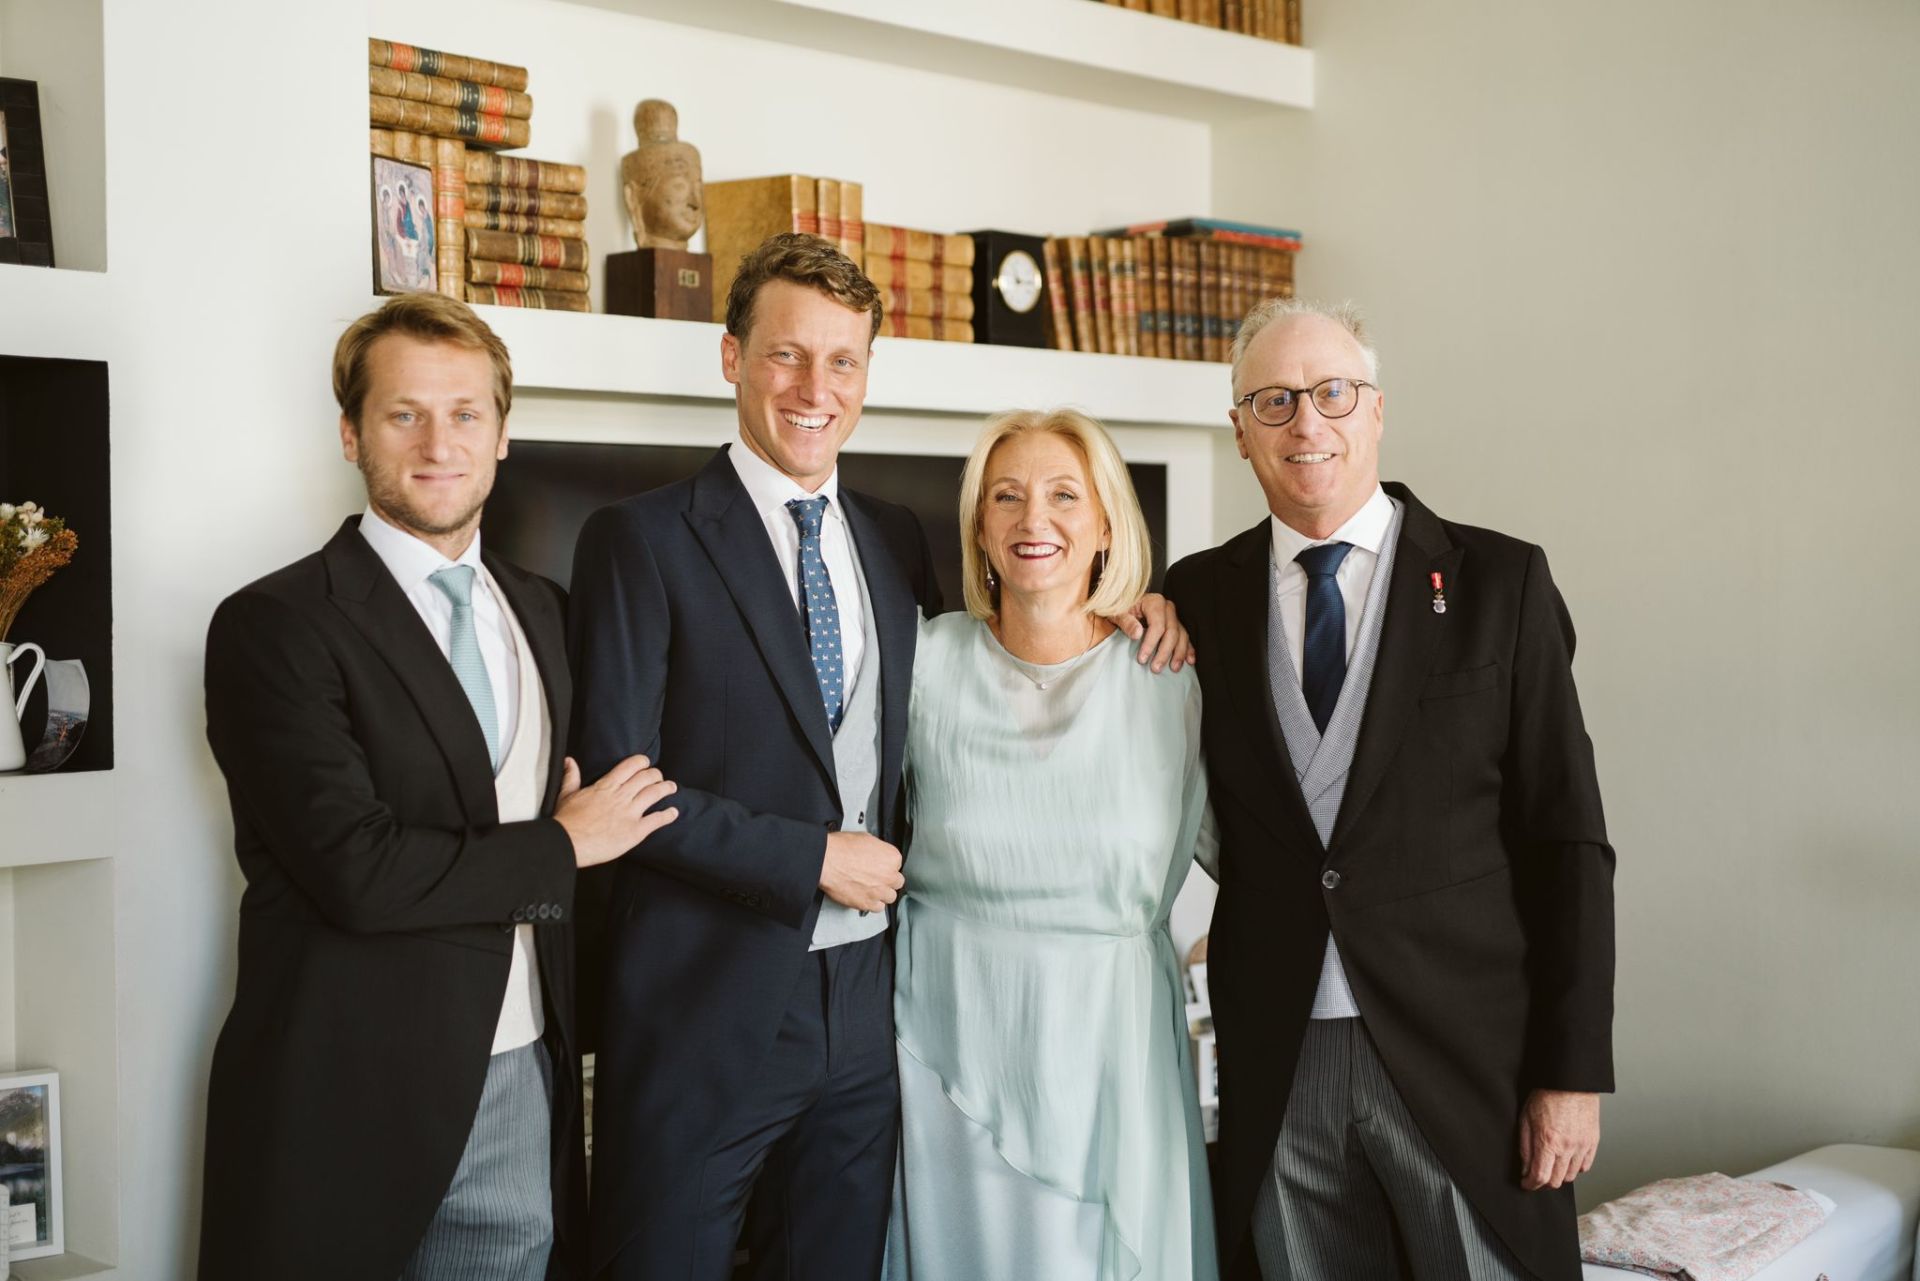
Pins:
<point x="1474" y="909"/>
<point x="376" y="926"/>
<point x="687" y="647"/>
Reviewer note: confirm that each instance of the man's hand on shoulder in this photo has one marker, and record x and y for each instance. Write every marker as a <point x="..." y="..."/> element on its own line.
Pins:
<point x="861" y="871"/>
<point x="1559" y="1135"/>
<point x="611" y="816"/>
<point x="1156" y="625"/>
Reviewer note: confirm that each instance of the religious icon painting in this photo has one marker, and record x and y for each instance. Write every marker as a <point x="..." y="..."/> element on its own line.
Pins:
<point x="404" y="261"/>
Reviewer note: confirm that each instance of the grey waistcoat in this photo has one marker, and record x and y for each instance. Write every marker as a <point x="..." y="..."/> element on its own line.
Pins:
<point x="856" y="764"/>
<point x="1321" y="763"/>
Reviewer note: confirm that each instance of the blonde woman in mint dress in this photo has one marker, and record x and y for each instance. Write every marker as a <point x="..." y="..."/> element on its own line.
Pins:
<point x="1049" y="1123"/>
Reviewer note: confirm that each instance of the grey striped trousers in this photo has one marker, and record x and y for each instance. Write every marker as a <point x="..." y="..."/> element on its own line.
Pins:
<point x="1355" y="1193"/>
<point x="496" y="1221"/>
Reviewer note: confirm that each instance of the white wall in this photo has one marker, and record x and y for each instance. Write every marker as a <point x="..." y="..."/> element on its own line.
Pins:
<point x="1643" y="279"/>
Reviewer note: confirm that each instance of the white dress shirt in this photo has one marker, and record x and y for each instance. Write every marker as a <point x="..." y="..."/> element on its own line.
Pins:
<point x="1367" y="531"/>
<point x="770" y="489"/>
<point x="413" y="562"/>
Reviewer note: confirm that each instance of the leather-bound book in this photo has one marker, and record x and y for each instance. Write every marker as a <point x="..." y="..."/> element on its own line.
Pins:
<point x="535" y="251"/>
<point x="853" y="227"/>
<point x="1186" y="294"/>
<point x="525" y="224"/>
<point x="934" y="304"/>
<point x="526" y="200"/>
<point x="1059" y="313"/>
<point x="914" y="273"/>
<point x="1080" y="273"/>
<point x="743" y="212"/>
<point x="484" y="272"/>
<point x="432" y="62"/>
<point x="538" y="299"/>
<point x="448" y="122"/>
<point x="826" y="208"/>
<point x="488" y="100"/>
<point x="1147" y="336"/>
<point x="450" y="215"/>
<point x="1101" y="277"/>
<point x="485" y="168"/>
<point x="885" y="241"/>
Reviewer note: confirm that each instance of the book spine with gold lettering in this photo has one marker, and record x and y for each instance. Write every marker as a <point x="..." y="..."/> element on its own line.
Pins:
<point x="912" y="273"/>
<point x="525" y="224"/>
<point x="483" y="272"/>
<point x="488" y="100"/>
<point x="1101" y="278"/>
<point x="853" y="225"/>
<point x="1080" y="273"/>
<point x="538" y="299"/>
<point x="487" y="168"/>
<point x="432" y="62"/>
<point x="1186" y="292"/>
<point x="919" y="246"/>
<point x="826" y="208"/>
<point x="472" y="127"/>
<point x="534" y="251"/>
<point x="526" y="200"/>
<point x="935" y="304"/>
<point x="1059" y="317"/>
<point x="450" y="215"/>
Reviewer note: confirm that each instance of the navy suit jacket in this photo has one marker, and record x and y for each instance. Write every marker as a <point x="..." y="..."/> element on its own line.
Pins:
<point x="687" y="647"/>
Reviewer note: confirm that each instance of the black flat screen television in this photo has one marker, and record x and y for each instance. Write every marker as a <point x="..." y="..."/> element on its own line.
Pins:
<point x="546" y="491"/>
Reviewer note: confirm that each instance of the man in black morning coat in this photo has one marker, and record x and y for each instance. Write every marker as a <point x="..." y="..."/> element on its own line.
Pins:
<point x="395" y="1093"/>
<point x="1411" y="958"/>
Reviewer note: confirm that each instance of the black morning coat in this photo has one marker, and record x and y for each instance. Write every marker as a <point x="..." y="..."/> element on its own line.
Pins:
<point x="686" y="646"/>
<point x="1474" y="904"/>
<point x="376" y="929"/>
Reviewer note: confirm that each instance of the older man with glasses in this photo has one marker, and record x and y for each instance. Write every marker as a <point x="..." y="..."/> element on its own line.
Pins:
<point x="1412" y="953"/>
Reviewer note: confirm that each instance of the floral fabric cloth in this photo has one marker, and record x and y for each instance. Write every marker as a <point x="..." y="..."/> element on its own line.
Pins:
<point x="1706" y="1227"/>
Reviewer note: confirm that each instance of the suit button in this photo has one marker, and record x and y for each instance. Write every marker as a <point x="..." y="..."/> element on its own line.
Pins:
<point x="543" y="913"/>
<point x="1330" y="879"/>
<point x="519" y="914"/>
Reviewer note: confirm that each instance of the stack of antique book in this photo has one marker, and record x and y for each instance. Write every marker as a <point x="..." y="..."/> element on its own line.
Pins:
<point x="1175" y="289"/>
<point x="1267" y="19"/>
<point x="508" y="230"/>
<point x="926" y="282"/>
<point x="743" y="212"/>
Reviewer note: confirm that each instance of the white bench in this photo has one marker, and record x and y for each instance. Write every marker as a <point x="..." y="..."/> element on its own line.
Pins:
<point x="1871" y="1234"/>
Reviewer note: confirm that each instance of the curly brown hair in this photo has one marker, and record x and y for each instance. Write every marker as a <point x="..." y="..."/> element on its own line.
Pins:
<point x="804" y="260"/>
<point x="429" y="318"/>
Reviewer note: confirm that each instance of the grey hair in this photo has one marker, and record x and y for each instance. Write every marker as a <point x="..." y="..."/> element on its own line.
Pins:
<point x="1344" y="314"/>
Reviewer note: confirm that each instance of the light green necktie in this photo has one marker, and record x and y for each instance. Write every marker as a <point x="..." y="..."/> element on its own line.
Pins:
<point x="463" y="652"/>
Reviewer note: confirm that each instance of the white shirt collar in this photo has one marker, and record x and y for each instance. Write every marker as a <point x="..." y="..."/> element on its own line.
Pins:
<point x="409" y="559"/>
<point x="1365" y="529"/>
<point x="771" y="489"/>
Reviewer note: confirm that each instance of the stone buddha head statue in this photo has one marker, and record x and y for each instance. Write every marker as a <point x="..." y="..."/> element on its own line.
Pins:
<point x="661" y="179"/>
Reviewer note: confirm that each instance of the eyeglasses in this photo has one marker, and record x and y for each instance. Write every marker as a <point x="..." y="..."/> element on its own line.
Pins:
<point x="1276" y="406"/>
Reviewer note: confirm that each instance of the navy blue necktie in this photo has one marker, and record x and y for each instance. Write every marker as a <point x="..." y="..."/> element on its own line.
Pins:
<point x="819" y="608"/>
<point x="1323" y="650"/>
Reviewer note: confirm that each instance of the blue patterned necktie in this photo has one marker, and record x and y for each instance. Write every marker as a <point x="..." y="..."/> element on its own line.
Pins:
<point x="819" y="608"/>
<point x="1323" y="650"/>
<point x="463" y="652"/>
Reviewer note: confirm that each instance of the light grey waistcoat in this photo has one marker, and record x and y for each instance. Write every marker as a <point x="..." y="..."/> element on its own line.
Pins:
<point x="1321" y="763"/>
<point x="856" y="764"/>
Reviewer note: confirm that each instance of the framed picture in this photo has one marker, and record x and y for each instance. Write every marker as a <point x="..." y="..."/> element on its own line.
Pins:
<point x="30" y="1163"/>
<point x="26" y="222"/>
<point x="404" y="261"/>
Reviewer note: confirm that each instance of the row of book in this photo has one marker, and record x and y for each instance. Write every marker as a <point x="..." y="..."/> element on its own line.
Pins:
<point x="482" y="103"/>
<point x="509" y="230"/>
<point x="926" y="280"/>
<point x="1133" y="292"/>
<point x="1268" y="19"/>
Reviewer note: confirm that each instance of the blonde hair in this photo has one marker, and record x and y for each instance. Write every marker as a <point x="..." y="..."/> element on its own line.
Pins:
<point x="427" y="318"/>
<point x="1129" y="561"/>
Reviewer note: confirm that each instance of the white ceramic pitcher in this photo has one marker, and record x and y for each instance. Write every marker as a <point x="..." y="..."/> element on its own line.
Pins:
<point x="13" y="752"/>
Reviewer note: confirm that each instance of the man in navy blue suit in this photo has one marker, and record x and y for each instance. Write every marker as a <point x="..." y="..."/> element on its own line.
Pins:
<point x="752" y="628"/>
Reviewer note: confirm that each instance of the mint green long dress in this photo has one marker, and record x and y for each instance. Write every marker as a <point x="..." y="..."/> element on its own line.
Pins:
<point x="1049" y="1122"/>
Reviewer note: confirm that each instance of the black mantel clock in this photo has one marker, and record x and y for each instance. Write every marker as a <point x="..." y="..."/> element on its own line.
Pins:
<point x="1009" y="289"/>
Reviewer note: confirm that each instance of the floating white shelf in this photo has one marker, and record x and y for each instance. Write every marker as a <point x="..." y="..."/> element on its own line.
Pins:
<point x="1072" y="48"/>
<point x="632" y="356"/>
<point x="53" y="312"/>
